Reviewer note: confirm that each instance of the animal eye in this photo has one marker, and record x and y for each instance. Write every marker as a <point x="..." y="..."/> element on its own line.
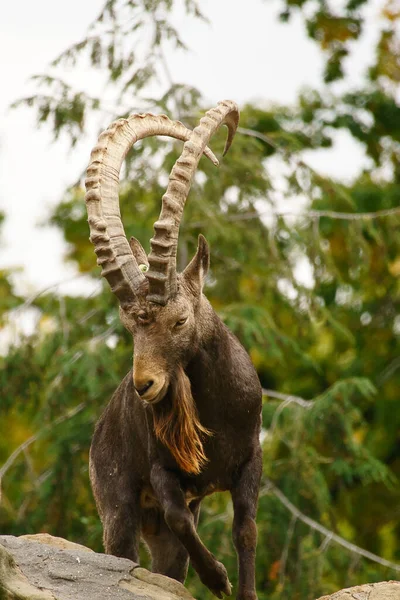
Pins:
<point x="143" y="268"/>
<point x="181" y="322"/>
<point x="143" y="319"/>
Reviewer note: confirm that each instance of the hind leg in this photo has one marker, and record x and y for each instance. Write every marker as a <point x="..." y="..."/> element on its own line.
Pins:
<point x="169" y="557"/>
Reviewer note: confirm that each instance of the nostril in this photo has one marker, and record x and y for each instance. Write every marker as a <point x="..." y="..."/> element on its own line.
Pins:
<point x="141" y="390"/>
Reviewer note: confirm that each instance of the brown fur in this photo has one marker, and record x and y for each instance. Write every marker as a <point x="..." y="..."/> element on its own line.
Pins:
<point x="178" y="427"/>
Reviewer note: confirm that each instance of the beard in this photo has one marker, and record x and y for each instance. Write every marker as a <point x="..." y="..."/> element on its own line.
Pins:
<point x="177" y="425"/>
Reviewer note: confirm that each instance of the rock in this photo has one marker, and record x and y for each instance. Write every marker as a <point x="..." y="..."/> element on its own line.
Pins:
<point x="13" y="584"/>
<point x="57" y="542"/>
<point x="386" y="590"/>
<point x="46" y="568"/>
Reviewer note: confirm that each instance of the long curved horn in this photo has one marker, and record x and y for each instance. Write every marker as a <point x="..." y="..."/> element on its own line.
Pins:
<point x="107" y="233"/>
<point x="162" y="258"/>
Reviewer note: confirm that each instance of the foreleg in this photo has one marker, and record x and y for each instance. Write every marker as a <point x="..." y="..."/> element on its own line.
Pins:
<point x="168" y="556"/>
<point x="181" y="522"/>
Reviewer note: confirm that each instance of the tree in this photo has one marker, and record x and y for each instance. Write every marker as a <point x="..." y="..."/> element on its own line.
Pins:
<point x="331" y="462"/>
<point x="8" y="300"/>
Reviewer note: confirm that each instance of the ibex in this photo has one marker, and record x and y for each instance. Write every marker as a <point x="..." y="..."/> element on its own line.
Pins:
<point x="185" y="421"/>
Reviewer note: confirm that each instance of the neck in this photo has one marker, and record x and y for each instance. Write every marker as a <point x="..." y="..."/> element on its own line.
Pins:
<point x="212" y="352"/>
<point x="210" y="325"/>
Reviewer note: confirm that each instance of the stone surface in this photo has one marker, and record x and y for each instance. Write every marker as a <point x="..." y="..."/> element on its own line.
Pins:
<point x="386" y="590"/>
<point x="46" y="568"/>
<point x="57" y="542"/>
<point x="13" y="584"/>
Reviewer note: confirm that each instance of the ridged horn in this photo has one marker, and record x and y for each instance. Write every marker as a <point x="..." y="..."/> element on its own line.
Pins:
<point x="162" y="258"/>
<point x="107" y="233"/>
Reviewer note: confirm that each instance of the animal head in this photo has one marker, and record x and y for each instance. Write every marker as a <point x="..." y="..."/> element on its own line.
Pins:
<point x="165" y="335"/>
<point x="157" y="305"/>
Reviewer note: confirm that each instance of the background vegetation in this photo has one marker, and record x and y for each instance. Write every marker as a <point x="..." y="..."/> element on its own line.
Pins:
<point x="326" y="346"/>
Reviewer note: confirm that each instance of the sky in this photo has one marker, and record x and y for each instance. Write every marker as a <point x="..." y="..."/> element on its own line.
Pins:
<point x="242" y="55"/>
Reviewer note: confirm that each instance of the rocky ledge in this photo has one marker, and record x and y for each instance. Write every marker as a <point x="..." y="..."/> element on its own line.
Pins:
<point x="386" y="590"/>
<point x="42" y="567"/>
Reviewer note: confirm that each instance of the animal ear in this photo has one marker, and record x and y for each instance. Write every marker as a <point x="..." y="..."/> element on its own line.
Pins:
<point x="139" y="254"/>
<point x="196" y="271"/>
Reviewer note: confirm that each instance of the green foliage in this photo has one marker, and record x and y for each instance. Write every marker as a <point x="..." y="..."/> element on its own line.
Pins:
<point x="131" y="69"/>
<point x="8" y="300"/>
<point x="332" y="27"/>
<point x="333" y="340"/>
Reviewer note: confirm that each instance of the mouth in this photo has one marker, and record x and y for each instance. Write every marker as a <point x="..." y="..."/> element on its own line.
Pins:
<point x="153" y="396"/>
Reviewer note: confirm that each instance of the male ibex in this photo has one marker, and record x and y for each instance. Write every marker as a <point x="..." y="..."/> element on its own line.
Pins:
<point x="186" y="421"/>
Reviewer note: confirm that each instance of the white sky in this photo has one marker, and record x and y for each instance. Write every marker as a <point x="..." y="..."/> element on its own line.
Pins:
<point x="245" y="54"/>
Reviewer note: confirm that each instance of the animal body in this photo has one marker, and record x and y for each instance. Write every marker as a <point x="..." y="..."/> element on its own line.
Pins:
<point x="185" y="421"/>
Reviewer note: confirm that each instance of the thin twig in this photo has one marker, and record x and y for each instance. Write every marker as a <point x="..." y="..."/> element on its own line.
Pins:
<point x="88" y="316"/>
<point x="262" y="137"/>
<point x="325" y="543"/>
<point x="64" y="321"/>
<point x="285" y="551"/>
<point x="289" y="398"/>
<point x="378" y="214"/>
<point x="22" y="509"/>
<point x="271" y="488"/>
<point x="311" y="214"/>
<point x="388" y="371"/>
<point x="29" y="463"/>
<point x="276" y="415"/>
<point x="22" y="447"/>
<point x="103" y="336"/>
<point x="29" y="301"/>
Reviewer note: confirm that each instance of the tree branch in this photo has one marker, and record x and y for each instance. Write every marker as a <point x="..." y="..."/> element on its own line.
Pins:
<point x="312" y="214"/>
<point x="330" y="535"/>
<point x="22" y="447"/>
<point x="285" y="551"/>
<point x="288" y="398"/>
